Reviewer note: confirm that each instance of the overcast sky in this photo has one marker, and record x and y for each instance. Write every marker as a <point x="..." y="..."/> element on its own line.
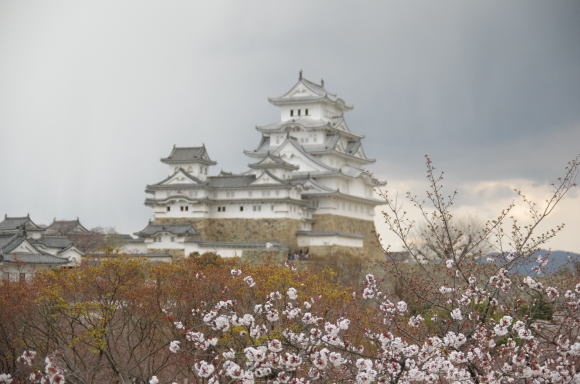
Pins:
<point x="92" y="94"/>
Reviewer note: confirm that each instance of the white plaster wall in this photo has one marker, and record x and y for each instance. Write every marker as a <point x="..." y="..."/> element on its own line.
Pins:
<point x="310" y="241"/>
<point x="134" y="248"/>
<point x="314" y="111"/>
<point x="72" y="255"/>
<point x="345" y="207"/>
<point x="198" y="170"/>
<point x="262" y="211"/>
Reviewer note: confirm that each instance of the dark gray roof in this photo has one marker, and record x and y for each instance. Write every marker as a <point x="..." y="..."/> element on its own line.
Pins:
<point x="271" y="161"/>
<point x="13" y="224"/>
<point x="329" y="233"/>
<point x="28" y="258"/>
<point x="60" y="242"/>
<point x="176" y="229"/>
<point x="65" y="227"/>
<point x="10" y="241"/>
<point x="185" y="155"/>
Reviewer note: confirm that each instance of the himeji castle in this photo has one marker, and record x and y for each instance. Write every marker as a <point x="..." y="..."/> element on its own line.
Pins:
<point x="305" y="187"/>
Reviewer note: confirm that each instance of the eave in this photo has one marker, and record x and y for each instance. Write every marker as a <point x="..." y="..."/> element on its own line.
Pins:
<point x="349" y="197"/>
<point x="341" y="154"/>
<point x="196" y="161"/>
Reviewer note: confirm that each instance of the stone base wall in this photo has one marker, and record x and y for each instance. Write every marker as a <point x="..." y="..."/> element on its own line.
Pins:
<point x="371" y="247"/>
<point x="243" y="230"/>
<point x="284" y="232"/>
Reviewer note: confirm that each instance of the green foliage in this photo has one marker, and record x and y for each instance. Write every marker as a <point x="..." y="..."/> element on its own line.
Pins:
<point x="539" y="309"/>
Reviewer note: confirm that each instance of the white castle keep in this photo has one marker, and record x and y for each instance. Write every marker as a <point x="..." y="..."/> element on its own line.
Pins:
<point x="305" y="187"/>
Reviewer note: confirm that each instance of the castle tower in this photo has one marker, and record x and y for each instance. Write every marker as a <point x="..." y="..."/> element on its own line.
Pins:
<point x="194" y="160"/>
<point x="305" y="186"/>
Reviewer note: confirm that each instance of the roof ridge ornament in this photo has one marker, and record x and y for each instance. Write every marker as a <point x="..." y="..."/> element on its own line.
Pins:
<point x="322" y="83"/>
<point x="300" y="75"/>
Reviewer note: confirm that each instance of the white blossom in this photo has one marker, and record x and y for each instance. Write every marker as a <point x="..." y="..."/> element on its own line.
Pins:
<point x="204" y="369"/>
<point x="250" y="281"/>
<point x="292" y="293"/>
<point x="456" y="314"/>
<point x="174" y="346"/>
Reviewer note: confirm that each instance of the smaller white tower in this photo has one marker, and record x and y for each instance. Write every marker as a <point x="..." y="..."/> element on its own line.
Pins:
<point x="193" y="160"/>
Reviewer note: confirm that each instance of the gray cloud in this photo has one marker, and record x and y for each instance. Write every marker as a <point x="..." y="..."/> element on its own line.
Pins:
<point x="92" y="94"/>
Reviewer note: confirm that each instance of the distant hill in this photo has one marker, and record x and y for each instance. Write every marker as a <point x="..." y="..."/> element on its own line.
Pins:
<point x="556" y="260"/>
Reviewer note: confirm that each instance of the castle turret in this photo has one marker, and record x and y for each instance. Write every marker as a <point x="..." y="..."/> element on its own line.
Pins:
<point x="193" y="160"/>
<point x="307" y="100"/>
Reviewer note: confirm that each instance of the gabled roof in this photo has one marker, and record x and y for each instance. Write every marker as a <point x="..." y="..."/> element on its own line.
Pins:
<point x="65" y="227"/>
<point x="310" y="185"/>
<point x="176" y="229"/>
<point x="333" y="145"/>
<point x="188" y="155"/>
<point x="266" y="178"/>
<point x="14" y="224"/>
<point x="37" y="258"/>
<point x="309" y="124"/>
<point x="188" y="178"/>
<point x="294" y="143"/>
<point x="59" y="242"/>
<point x="307" y="91"/>
<point x="9" y="243"/>
<point x="271" y="161"/>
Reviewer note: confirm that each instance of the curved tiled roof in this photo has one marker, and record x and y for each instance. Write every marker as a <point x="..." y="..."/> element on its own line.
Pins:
<point x="53" y="241"/>
<point x="176" y="229"/>
<point x="318" y="93"/>
<point x="64" y="227"/>
<point x="28" y="258"/>
<point x="185" y="155"/>
<point x="271" y="161"/>
<point x="12" y="224"/>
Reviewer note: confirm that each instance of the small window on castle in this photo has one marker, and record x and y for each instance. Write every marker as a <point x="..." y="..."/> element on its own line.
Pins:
<point x="306" y="112"/>
<point x="241" y="208"/>
<point x="187" y="207"/>
<point x="299" y="112"/>
<point x="168" y="209"/>
<point x="291" y="112"/>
